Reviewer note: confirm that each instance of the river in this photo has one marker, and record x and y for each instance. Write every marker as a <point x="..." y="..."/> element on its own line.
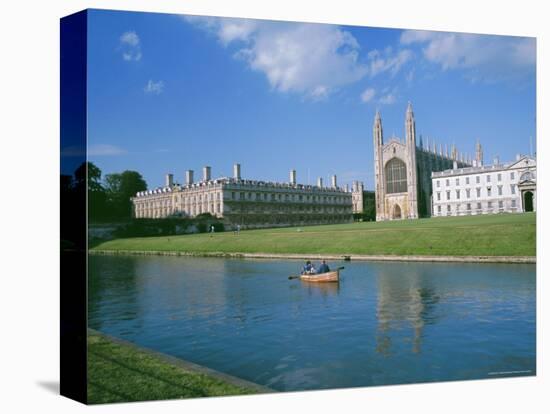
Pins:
<point x="384" y="323"/>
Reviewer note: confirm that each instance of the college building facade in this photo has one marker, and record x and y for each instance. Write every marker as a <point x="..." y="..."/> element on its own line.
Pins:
<point x="486" y="189"/>
<point x="247" y="203"/>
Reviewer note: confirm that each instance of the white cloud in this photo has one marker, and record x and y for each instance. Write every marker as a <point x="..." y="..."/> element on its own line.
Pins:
<point x="236" y="30"/>
<point x="387" y="61"/>
<point x="385" y="97"/>
<point x="368" y="94"/>
<point x="388" y="99"/>
<point x="130" y="45"/>
<point x="410" y="76"/>
<point x="154" y="87"/>
<point x="311" y="59"/>
<point x="93" y="150"/>
<point x="483" y="57"/>
<point x="130" y="38"/>
<point x="105" y="150"/>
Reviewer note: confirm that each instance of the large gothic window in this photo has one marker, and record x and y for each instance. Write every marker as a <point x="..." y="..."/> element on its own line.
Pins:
<point x="396" y="176"/>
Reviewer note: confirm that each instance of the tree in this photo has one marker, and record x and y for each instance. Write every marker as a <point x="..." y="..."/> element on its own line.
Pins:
<point x="94" y="176"/>
<point x="369" y="207"/>
<point x="87" y="177"/>
<point x="120" y="188"/>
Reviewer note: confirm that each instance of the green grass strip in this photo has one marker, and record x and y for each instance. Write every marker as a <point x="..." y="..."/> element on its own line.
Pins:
<point x="119" y="372"/>
<point x="484" y="235"/>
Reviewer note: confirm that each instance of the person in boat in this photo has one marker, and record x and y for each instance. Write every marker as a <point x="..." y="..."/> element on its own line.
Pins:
<point x="324" y="267"/>
<point x="309" y="268"/>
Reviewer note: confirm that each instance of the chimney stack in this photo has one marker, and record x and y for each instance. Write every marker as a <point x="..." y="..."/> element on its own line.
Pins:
<point x="169" y="181"/>
<point x="237" y="171"/>
<point x="334" y="182"/>
<point x="189" y="177"/>
<point x="496" y="160"/>
<point x="293" y="177"/>
<point x="320" y="182"/>
<point x="455" y="165"/>
<point x="206" y="173"/>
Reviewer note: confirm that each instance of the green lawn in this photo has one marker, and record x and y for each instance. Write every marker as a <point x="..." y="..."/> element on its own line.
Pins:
<point x="487" y="235"/>
<point x="118" y="373"/>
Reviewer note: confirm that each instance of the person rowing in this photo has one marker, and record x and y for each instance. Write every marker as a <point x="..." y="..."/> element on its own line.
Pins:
<point x="324" y="267"/>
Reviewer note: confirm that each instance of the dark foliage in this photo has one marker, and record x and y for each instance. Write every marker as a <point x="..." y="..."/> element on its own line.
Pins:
<point x="168" y="227"/>
<point x="119" y="189"/>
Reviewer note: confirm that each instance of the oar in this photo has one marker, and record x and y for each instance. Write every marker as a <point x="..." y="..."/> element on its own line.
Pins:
<point x="298" y="277"/>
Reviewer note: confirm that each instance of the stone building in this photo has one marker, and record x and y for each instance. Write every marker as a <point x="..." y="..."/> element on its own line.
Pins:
<point x="357" y="196"/>
<point x="363" y="202"/>
<point x="402" y="171"/>
<point x="248" y="203"/>
<point x="486" y="189"/>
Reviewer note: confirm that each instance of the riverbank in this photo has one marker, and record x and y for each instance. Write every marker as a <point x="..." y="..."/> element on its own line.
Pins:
<point x="119" y="371"/>
<point x="371" y="258"/>
<point x="473" y="237"/>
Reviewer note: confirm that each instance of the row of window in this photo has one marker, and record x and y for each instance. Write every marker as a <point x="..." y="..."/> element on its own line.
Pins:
<point x="142" y="211"/>
<point x="243" y="208"/>
<point x="468" y="192"/>
<point x="167" y="202"/>
<point x="242" y="196"/>
<point x="478" y="206"/>
<point x="154" y="204"/>
<point x="477" y="179"/>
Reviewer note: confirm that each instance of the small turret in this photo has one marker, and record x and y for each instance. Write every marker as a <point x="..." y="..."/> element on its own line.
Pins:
<point x="377" y="130"/>
<point x="410" y="112"/>
<point x="479" y="154"/>
<point x="410" y="127"/>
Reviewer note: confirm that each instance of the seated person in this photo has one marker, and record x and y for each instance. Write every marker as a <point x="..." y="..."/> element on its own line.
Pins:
<point x="324" y="267"/>
<point x="308" y="268"/>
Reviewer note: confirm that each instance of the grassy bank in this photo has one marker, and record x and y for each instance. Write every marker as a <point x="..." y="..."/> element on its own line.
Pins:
<point x="487" y="235"/>
<point x="119" y="372"/>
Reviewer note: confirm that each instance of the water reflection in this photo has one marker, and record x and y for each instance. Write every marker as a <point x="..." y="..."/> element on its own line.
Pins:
<point x="118" y="282"/>
<point x="323" y="289"/>
<point x="406" y="301"/>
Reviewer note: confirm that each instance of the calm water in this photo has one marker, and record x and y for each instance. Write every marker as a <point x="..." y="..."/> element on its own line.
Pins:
<point x="386" y="323"/>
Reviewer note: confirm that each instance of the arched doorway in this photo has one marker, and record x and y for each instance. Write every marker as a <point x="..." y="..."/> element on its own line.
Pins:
<point x="396" y="215"/>
<point x="528" y="201"/>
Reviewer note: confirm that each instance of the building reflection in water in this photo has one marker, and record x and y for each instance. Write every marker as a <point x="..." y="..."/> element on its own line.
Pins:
<point x="323" y="289"/>
<point x="183" y="287"/>
<point x="406" y="302"/>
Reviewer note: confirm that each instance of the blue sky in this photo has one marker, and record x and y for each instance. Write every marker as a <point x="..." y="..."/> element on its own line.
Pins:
<point x="168" y="93"/>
